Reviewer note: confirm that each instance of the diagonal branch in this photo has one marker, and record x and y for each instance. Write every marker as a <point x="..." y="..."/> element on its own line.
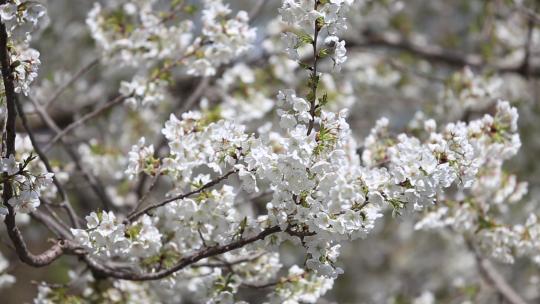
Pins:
<point x="494" y="278"/>
<point x="183" y="263"/>
<point x="71" y="81"/>
<point x="84" y="119"/>
<point x="437" y="54"/>
<point x="95" y="184"/>
<point x="71" y="213"/>
<point x="132" y="217"/>
<point x="529" y="13"/>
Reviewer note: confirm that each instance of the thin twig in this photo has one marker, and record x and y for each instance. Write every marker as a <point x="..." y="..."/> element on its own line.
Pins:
<point x="45" y="160"/>
<point x="54" y="215"/>
<point x="223" y="264"/>
<point x="531" y="14"/>
<point x="146" y="194"/>
<point x="95" y="184"/>
<point x="184" y="262"/>
<point x="79" y="122"/>
<point x="494" y="278"/>
<point x="132" y="217"/>
<point x="527" y="57"/>
<point x="314" y="81"/>
<point x="72" y="80"/>
<point x="51" y="224"/>
<point x="256" y="10"/>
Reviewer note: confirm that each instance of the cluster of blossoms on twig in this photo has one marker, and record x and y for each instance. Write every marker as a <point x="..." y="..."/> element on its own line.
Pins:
<point x="477" y="210"/>
<point x="21" y="18"/>
<point x="27" y="177"/>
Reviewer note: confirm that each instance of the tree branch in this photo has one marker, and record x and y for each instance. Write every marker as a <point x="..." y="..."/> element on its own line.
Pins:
<point x="184" y="262"/>
<point x="71" y="213"/>
<point x="494" y="278"/>
<point x="95" y="184"/>
<point x="72" y="80"/>
<point x="435" y="53"/>
<point x="82" y="120"/>
<point x="132" y="217"/>
<point x="14" y="233"/>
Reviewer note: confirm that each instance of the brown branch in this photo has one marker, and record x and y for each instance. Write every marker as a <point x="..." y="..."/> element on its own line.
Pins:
<point x="13" y="231"/>
<point x="95" y="184"/>
<point x="145" y="195"/>
<point x="531" y="14"/>
<point x="225" y="264"/>
<point x="525" y="66"/>
<point x="180" y="108"/>
<point x="256" y="10"/>
<point x="274" y="283"/>
<point x="493" y="277"/>
<point x="184" y="262"/>
<point x="50" y="210"/>
<point x="79" y="122"/>
<point x="51" y="224"/>
<point x="71" y="213"/>
<point x="435" y="53"/>
<point x="72" y="80"/>
<point x="314" y="81"/>
<point x="132" y="217"/>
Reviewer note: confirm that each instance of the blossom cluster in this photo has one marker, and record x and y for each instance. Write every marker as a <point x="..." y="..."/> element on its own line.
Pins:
<point x="301" y="287"/>
<point x="106" y="236"/>
<point x="21" y="18"/>
<point x="196" y="141"/>
<point x="27" y="177"/>
<point x="494" y="140"/>
<point x="135" y="31"/>
<point x="25" y="62"/>
<point x="307" y="17"/>
<point x="322" y="192"/>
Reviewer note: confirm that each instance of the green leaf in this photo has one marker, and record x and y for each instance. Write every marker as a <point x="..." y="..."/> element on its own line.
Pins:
<point x="323" y="53"/>
<point x="303" y="38"/>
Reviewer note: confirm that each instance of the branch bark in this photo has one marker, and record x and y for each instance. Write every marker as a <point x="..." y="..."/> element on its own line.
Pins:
<point x="13" y="231"/>
<point x="437" y="54"/>
<point x="494" y="278"/>
<point x="137" y="214"/>
<point x="184" y="262"/>
<point x="65" y="202"/>
<point x="95" y="184"/>
<point x="83" y="119"/>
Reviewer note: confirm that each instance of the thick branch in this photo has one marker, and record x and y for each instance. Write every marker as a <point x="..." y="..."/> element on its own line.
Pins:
<point x="14" y="233"/>
<point x="436" y="54"/>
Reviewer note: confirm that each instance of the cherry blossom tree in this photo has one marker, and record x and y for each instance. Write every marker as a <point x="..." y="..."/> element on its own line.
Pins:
<point x="219" y="151"/>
